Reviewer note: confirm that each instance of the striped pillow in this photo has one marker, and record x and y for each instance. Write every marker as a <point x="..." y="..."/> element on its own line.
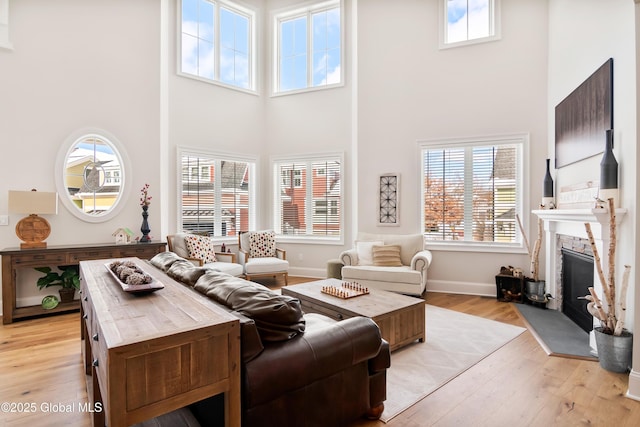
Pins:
<point x="386" y="255"/>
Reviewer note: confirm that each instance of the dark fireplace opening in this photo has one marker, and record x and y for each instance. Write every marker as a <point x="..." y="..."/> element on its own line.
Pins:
<point x="577" y="277"/>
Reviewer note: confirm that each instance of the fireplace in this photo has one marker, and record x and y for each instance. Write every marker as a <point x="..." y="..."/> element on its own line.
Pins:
<point x="577" y="277"/>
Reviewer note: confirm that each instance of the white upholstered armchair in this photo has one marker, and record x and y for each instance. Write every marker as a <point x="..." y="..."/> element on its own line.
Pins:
<point x="390" y="262"/>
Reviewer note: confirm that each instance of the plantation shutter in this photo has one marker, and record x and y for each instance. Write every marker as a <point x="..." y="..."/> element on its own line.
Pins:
<point x="308" y="197"/>
<point x="471" y="193"/>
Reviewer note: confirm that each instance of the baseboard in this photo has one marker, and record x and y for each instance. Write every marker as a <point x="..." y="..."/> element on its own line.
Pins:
<point x="634" y="385"/>
<point x="465" y="288"/>
<point x="315" y="273"/>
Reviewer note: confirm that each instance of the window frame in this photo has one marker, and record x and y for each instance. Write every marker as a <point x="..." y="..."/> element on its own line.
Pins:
<point x="494" y="17"/>
<point x="310" y="201"/>
<point x="219" y="156"/>
<point x="522" y="203"/>
<point x="307" y="11"/>
<point x="251" y="15"/>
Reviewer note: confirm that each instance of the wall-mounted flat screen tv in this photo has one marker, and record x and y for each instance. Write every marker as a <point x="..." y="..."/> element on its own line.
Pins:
<point x="584" y="116"/>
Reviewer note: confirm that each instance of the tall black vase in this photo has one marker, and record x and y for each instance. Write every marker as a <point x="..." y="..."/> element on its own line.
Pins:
<point x="145" y="225"/>
<point x="547" y="190"/>
<point x="609" y="165"/>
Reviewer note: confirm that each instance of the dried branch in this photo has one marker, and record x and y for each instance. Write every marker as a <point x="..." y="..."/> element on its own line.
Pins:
<point x="524" y="235"/>
<point x="611" y="295"/>
<point x="622" y="305"/>
<point x="597" y="260"/>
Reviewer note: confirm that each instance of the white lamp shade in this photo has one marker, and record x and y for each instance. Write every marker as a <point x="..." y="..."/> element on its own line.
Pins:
<point x="33" y="202"/>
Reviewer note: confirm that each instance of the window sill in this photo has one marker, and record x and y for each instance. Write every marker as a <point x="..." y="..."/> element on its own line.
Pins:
<point x="467" y="247"/>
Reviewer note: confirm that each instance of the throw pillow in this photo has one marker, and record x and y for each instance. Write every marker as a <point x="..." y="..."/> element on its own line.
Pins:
<point x="200" y="247"/>
<point x="365" y="252"/>
<point x="386" y="255"/>
<point x="262" y="244"/>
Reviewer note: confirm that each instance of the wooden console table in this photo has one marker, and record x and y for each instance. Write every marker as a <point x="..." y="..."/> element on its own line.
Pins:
<point x="149" y="354"/>
<point x="15" y="258"/>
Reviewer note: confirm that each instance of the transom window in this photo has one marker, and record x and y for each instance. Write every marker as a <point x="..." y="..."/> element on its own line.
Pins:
<point x="217" y="42"/>
<point x="308" y="50"/>
<point x="217" y="195"/>
<point x="469" y="21"/>
<point x="308" y="197"/>
<point x="472" y="191"/>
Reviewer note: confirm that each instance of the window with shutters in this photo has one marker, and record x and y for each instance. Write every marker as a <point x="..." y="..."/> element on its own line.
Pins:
<point x="308" y="197"/>
<point x="217" y="196"/>
<point x="472" y="191"/>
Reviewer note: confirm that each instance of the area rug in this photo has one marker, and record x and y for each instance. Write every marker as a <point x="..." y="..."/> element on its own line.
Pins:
<point x="556" y="333"/>
<point x="455" y="342"/>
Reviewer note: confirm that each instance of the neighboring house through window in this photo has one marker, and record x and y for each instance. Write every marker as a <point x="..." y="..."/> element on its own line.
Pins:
<point x="308" y="47"/>
<point x="472" y="191"/>
<point x="217" y="42"/>
<point x="469" y="21"/>
<point x="217" y="195"/>
<point x="308" y="197"/>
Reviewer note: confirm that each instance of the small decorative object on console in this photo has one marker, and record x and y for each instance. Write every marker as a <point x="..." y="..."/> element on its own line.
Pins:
<point x="346" y="290"/>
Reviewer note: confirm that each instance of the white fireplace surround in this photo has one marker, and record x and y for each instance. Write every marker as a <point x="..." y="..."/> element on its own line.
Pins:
<point x="571" y="222"/>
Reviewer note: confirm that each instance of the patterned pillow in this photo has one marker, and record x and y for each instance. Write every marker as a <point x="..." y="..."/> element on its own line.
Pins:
<point x="262" y="244"/>
<point x="200" y="247"/>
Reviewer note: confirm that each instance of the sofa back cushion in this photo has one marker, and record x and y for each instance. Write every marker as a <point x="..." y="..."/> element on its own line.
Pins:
<point x="410" y="244"/>
<point x="278" y="317"/>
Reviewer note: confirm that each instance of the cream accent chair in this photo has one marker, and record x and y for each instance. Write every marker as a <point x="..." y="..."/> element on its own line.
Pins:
<point x="225" y="262"/>
<point x="261" y="266"/>
<point x="408" y="278"/>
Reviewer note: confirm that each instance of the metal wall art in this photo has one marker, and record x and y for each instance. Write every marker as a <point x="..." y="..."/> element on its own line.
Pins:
<point x="389" y="199"/>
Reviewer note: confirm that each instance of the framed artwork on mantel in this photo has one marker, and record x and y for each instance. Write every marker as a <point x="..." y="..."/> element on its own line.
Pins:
<point x="389" y="199"/>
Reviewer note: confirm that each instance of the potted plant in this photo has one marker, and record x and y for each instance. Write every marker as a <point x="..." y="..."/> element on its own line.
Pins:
<point x="68" y="278"/>
<point x="613" y="341"/>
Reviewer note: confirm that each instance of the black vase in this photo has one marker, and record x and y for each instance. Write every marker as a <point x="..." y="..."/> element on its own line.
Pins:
<point x="609" y="165"/>
<point x="547" y="190"/>
<point x="144" y="228"/>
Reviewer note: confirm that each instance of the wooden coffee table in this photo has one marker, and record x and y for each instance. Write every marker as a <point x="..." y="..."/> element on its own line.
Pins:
<point x="401" y="318"/>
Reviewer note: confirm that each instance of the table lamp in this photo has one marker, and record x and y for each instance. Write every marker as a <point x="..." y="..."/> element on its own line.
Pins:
<point x="33" y="230"/>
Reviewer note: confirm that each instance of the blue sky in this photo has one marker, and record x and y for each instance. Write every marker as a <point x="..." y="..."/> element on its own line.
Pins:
<point x="198" y="41"/>
<point x="467" y="19"/>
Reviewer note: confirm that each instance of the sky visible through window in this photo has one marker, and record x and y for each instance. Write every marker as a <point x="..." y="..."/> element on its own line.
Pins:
<point x="468" y="20"/>
<point x="322" y="35"/>
<point x="199" y="54"/>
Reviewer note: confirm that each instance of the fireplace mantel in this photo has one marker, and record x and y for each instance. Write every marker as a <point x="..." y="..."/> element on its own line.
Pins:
<point x="571" y="222"/>
<point x="599" y="215"/>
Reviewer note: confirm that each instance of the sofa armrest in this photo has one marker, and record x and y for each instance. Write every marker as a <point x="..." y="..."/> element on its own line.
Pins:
<point x="281" y="253"/>
<point x="325" y="348"/>
<point x="421" y="260"/>
<point x="349" y="257"/>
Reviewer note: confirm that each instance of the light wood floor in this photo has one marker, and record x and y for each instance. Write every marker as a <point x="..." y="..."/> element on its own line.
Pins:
<point x="518" y="385"/>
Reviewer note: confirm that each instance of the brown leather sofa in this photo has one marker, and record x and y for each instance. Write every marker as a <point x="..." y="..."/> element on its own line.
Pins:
<point x="297" y="369"/>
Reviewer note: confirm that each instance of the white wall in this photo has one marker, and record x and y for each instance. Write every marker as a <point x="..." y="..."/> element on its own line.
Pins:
<point x="78" y="64"/>
<point x="583" y="34"/>
<point x="311" y="122"/>
<point x="409" y="90"/>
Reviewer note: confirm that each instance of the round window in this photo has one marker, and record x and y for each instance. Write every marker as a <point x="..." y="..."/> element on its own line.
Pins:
<point x="90" y="175"/>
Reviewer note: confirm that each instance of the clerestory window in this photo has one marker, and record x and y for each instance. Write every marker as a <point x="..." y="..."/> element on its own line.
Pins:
<point x="217" y="42"/>
<point x="469" y="21"/>
<point x="308" y="47"/>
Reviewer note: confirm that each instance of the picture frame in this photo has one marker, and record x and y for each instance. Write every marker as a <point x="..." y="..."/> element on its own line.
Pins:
<point x="389" y="199"/>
